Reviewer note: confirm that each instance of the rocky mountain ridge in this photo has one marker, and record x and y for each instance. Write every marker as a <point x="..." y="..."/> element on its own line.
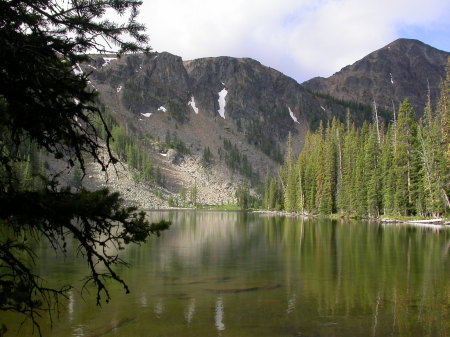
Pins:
<point x="405" y="68"/>
<point x="238" y="109"/>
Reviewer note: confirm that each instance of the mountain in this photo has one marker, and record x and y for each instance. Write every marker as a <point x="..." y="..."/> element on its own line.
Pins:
<point x="253" y="93"/>
<point x="238" y="109"/>
<point x="403" y="69"/>
<point x="213" y="123"/>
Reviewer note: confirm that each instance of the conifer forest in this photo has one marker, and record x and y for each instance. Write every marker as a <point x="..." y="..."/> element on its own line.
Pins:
<point x="399" y="168"/>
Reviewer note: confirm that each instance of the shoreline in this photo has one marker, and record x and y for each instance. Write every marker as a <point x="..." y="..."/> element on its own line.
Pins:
<point x="431" y="223"/>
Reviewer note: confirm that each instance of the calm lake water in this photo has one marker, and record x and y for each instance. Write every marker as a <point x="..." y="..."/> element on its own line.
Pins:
<point x="243" y="275"/>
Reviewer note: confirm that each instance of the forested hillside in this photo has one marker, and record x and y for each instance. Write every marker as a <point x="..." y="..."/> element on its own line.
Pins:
<point x="238" y="109"/>
<point x="378" y="169"/>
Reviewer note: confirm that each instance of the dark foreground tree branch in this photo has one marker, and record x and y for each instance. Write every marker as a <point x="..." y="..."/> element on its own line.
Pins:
<point x="45" y="103"/>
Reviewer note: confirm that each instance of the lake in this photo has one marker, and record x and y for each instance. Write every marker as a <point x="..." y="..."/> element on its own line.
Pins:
<point x="244" y="275"/>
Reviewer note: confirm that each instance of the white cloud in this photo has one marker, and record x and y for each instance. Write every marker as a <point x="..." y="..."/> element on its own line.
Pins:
<point x="194" y="27"/>
<point x="301" y="38"/>
<point x="341" y="32"/>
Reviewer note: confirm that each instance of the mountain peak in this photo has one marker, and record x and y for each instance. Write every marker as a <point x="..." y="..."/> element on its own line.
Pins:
<point x="406" y="41"/>
<point x="402" y="69"/>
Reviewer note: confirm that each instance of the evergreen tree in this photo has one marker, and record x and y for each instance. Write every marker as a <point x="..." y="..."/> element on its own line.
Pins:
<point x="349" y="148"/>
<point x="325" y="179"/>
<point x="159" y="177"/>
<point x="372" y="172"/>
<point x="266" y="196"/>
<point x="207" y="157"/>
<point x="406" y="162"/>
<point x="193" y="195"/>
<point x="359" y="184"/>
<point x="339" y="175"/>
<point x="444" y="107"/>
<point x="299" y="169"/>
<point x="243" y="196"/>
<point x="147" y="169"/>
<point x="311" y="154"/>
<point x="291" y="191"/>
<point x="274" y="201"/>
<point x="183" y="196"/>
<point x="127" y="147"/>
<point x="388" y="172"/>
<point x="335" y="161"/>
<point x="444" y="116"/>
<point x="402" y="169"/>
<point x="42" y="100"/>
<point x="288" y="178"/>
<point x="430" y="152"/>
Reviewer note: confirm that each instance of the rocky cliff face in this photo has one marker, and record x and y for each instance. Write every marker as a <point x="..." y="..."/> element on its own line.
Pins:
<point x="242" y="92"/>
<point x="164" y="83"/>
<point x="402" y="69"/>
<point x="205" y="102"/>
<point x="241" y="106"/>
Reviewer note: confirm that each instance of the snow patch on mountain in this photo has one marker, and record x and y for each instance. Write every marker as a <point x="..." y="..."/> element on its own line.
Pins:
<point x="147" y="114"/>
<point x="161" y="108"/>
<point x="222" y="102"/>
<point x="107" y="60"/>
<point x="292" y="116"/>
<point x="192" y="104"/>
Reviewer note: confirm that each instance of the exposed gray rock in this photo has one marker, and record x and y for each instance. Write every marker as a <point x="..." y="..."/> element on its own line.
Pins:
<point x="171" y="155"/>
<point x="159" y="94"/>
<point x="403" y="69"/>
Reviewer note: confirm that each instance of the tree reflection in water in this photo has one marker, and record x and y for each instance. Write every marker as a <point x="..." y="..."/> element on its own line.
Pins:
<point x="240" y="274"/>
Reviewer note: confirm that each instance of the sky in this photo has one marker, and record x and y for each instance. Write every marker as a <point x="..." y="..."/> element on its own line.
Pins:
<point x="300" y="38"/>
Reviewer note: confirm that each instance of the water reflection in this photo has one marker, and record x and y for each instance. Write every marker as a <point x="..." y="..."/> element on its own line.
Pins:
<point x="291" y="304"/>
<point x="375" y="316"/>
<point x="159" y="308"/>
<point x="143" y="300"/>
<point x="78" y="331"/>
<point x="190" y="311"/>
<point x="219" y="315"/>
<point x="275" y="277"/>
<point x="70" y="304"/>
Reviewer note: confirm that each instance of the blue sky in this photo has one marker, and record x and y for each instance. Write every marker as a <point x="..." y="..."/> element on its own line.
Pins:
<point x="438" y="37"/>
<point x="300" y="38"/>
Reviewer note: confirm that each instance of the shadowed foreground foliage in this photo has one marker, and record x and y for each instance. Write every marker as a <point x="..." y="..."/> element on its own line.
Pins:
<point x="46" y="104"/>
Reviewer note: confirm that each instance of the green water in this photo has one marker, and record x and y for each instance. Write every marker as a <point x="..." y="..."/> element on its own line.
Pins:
<point x="239" y="274"/>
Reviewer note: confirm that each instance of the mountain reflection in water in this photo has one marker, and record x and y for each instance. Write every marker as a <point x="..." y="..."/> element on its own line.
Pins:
<point x="243" y="274"/>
